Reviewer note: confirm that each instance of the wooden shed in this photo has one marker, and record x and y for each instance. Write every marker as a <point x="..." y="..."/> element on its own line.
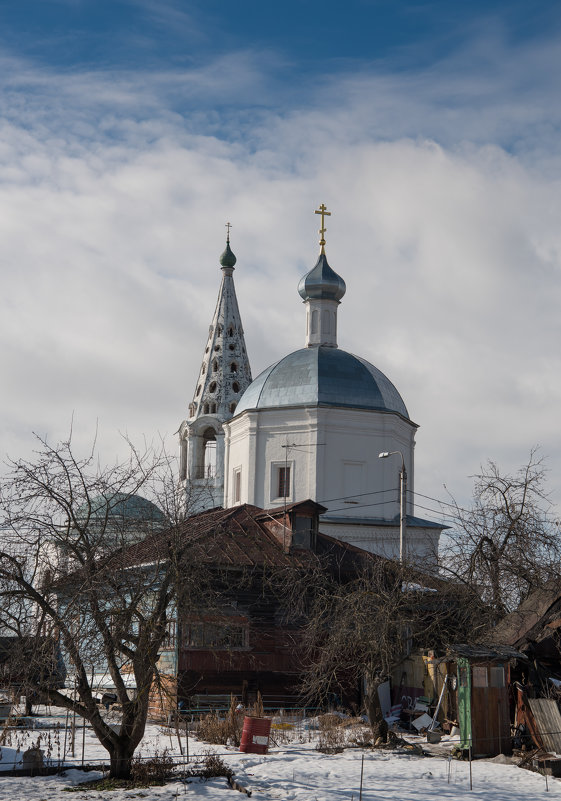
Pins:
<point x="483" y="677"/>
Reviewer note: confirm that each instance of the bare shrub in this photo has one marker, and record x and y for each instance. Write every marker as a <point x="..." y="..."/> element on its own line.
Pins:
<point x="217" y="731"/>
<point x="214" y="766"/>
<point x="331" y="738"/>
<point x="154" y="770"/>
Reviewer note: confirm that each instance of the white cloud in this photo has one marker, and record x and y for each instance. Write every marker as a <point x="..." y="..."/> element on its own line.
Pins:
<point x="112" y="206"/>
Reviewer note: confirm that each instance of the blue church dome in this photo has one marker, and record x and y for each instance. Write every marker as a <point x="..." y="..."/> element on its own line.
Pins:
<point x="322" y="376"/>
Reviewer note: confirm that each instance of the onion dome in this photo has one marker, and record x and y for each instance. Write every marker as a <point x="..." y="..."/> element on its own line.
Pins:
<point x="227" y="259"/>
<point x="322" y="283"/>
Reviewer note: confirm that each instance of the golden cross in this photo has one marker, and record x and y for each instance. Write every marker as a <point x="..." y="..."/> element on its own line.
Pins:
<point x="324" y="213"/>
<point x="228" y="226"/>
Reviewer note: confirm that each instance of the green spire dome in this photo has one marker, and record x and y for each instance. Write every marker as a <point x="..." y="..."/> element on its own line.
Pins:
<point x="227" y="259"/>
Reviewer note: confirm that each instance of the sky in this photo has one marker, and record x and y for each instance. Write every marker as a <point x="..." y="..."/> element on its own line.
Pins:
<point x="131" y="131"/>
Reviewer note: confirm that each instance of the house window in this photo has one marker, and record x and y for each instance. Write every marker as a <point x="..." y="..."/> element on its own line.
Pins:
<point x="283" y="482"/>
<point x="237" y="481"/>
<point x="216" y="634"/>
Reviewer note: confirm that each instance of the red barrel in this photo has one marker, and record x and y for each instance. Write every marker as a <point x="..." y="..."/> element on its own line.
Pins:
<point x="255" y="735"/>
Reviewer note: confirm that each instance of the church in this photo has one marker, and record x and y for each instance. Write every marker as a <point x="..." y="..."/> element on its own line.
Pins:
<point x="315" y="425"/>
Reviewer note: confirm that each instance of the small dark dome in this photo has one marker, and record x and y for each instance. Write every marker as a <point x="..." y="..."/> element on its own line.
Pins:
<point x="227" y="259"/>
<point x="322" y="283"/>
<point x="123" y="507"/>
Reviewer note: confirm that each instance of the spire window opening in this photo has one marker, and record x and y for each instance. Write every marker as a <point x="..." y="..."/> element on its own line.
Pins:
<point x="230" y="332"/>
<point x="233" y="367"/>
<point x="198" y="392"/>
<point x="232" y="408"/>
<point x="212" y="386"/>
<point x="213" y="408"/>
<point x="209" y="439"/>
<point x="203" y="368"/>
<point x="217" y="348"/>
<point x="235" y="387"/>
<point x="231" y="347"/>
<point x="206" y="408"/>
<point x="215" y="366"/>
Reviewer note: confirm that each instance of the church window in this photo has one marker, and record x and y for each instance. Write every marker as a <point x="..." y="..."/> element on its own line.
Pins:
<point x="233" y="367"/>
<point x="217" y="347"/>
<point x="230" y="332"/>
<point x="205" y="408"/>
<point x="203" y="368"/>
<point x="212" y="386"/>
<point x="326" y="321"/>
<point x="198" y="390"/>
<point x="206" y="349"/>
<point x="232" y="347"/>
<point x="192" y="409"/>
<point x="315" y="315"/>
<point x="232" y="408"/>
<point x="237" y="482"/>
<point x="215" y="366"/>
<point x="213" y="408"/>
<point x="283" y="482"/>
<point x="235" y="386"/>
<point x="218" y="330"/>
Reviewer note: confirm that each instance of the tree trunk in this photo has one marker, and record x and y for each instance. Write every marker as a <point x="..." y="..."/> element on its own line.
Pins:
<point x="378" y="725"/>
<point x="120" y="762"/>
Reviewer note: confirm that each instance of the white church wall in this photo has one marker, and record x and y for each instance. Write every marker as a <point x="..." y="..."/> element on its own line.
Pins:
<point x="421" y="543"/>
<point x="332" y="454"/>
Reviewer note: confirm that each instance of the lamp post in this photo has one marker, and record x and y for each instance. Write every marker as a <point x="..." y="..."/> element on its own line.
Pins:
<point x="402" y="501"/>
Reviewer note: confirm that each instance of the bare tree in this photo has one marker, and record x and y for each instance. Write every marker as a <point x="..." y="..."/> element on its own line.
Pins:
<point x="68" y="588"/>
<point x="506" y="545"/>
<point x="358" y="625"/>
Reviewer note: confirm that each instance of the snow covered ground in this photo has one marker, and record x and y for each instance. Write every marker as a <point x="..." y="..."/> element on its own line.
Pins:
<point x="292" y="771"/>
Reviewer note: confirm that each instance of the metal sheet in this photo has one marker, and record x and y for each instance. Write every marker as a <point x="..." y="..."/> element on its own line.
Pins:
<point x="548" y="722"/>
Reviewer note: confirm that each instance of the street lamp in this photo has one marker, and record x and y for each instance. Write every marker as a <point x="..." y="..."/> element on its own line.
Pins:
<point x="402" y="500"/>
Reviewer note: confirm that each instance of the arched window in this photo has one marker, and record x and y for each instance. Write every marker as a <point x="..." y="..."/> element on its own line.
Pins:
<point x="205" y="408"/>
<point x="232" y="408"/>
<point x="315" y="315"/>
<point x="217" y="348"/>
<point x="215" y="366"/>
<point x="233" y="367"/>
<point x="203" y="368"/>
<point x="236" y="386"/>
<point x="213" y="408"/>
<point x="212" y="386"/>
<point x="198" y="392"/>
<point x="218" y="330"/>
<point x="232" y="347"/>
<point x="231" y="331"/>
<point x="192" y="409"/>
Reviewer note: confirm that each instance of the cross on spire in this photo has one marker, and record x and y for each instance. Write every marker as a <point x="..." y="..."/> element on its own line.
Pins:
<point x="228" y="226"/>
<point x="324" y="213"/>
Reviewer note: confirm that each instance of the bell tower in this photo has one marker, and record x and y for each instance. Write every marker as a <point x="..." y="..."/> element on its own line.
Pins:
<point x="224" y="376"/>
